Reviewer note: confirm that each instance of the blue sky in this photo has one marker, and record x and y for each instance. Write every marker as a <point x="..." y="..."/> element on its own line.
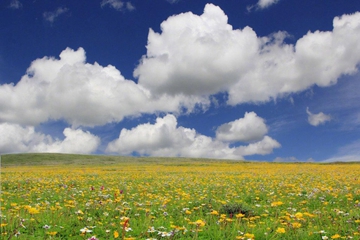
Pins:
<point x="268" y="80"/>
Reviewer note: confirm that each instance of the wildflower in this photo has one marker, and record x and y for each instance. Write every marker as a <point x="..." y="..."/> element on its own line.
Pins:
<point x="280" y="230"/>
<point x="32" y="210"/>
<point x="79" y="212"/>
<point x="240" y="215"/>
<point x="296" y="225"/>
<point x="200" y="223"/>
<point x="249" y="236"/>
<point x="335" y="236"/>
<point x="93" y="238"/>
<point x="17" y="233"/>
<point x="116" y="234"/>
<point x="324" y="238"/>
<point x="275" y="204"/>
<point x="46" y="226"/>
<point x="51" y="233"/>
<point x="85" y="230"/>
<point x="299" y="215"/>
<point x="213" y="212"/>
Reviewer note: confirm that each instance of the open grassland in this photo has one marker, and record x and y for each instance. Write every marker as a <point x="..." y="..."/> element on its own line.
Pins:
<point x="54" y="196"/>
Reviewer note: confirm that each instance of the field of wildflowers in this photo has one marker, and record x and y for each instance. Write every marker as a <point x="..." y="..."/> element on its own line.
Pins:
<point x="181" y="200"/>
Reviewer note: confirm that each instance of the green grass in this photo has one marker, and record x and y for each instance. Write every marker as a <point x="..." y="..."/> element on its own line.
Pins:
<point x="38" y="159"/>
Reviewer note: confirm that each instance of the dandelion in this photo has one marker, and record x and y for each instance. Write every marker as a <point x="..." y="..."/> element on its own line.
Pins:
<point x="296" y="225"/>
<point x="51" y="233"/>
<point x="335" y="236"/>
<point x="116" y="234"/>
<point x="200" y="223"/>
<point x="213" y="212"/>
<point x="280" y="230"/>
<point x="249" y="236"/>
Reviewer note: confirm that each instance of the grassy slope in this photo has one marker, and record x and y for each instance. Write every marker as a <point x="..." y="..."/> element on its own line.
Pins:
<point x="29" y="159"/>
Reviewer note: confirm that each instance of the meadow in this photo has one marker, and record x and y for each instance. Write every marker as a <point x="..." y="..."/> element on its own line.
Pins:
<point x="56" y="196"/>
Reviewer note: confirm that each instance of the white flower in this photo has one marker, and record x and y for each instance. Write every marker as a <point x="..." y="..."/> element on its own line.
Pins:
<point x="85" y="230"/>
<point x="46" y="226"/>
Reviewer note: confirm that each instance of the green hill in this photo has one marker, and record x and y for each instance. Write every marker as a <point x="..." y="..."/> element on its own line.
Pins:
<point x="31" y="159"/>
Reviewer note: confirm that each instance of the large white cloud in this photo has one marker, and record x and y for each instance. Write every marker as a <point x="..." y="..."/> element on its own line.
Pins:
<point x="15" y="138"/>
<point x="165" y="138"/>
<point x="318" y="118"/>
<point x="202" y="55"/>
<point x="80" y="93"/>
<point x="249" y="128"/>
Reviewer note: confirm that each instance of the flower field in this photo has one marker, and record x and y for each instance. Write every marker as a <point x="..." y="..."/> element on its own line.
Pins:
<point x="181" y="200"/>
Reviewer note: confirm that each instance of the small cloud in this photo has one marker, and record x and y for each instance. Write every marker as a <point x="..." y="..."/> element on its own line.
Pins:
<point x="266" y="3"/>
<point x="15" y="4"/>
<point x="118" y="5"/>
<point x="317" y="119"/>
<point x="262" y="4"/>
<point x="51" y="16"/>
<point x="129" y="6"/>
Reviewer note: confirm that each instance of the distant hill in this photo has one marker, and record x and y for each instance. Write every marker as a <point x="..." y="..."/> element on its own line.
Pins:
<point x="29" y="159"/>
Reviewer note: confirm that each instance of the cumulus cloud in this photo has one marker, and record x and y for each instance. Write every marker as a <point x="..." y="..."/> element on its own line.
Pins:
<point x="118" y="5"/>
<point x="317" y="119"/>
<point x="80" y="93"/>
<point x="203" y="55"/>
<point x="165" y="138"/>
<point x="51" y="16"/>
<point x="16" y="138"/>
<point x="15" y="4"/>
<point x="249" y="128"/>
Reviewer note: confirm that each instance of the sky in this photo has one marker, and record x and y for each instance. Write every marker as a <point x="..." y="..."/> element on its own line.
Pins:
<point x="261" y="80"/>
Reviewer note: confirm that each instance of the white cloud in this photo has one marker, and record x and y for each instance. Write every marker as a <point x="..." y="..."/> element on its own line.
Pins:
<point x="347" y="153"/>
<point x="249" y="128"/>
<point x="203" y="55"/>
<point x="118" y="5"/>
<point x="317" y="119"/>
<point x="80" y="93"/>
<point x="262" y="147"/>
<point x="15" y="138"/>
<point x="51" y="16"/>
<point x="165" y="138"/>
<point x="15" y="4"/>
<point x="266" y="3"/>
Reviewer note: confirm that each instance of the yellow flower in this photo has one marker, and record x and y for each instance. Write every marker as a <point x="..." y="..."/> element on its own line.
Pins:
<point x="299" y="215"/>
<point x="200" y="223"/>
<point x="213" y="212"/>
<point x="335" y="236"/>
<point x="32" y="210"/>
<point x="51" y="233"/>
<point x="275" y="204"/>
<point x="280" y="230"/>
<point x="187" y="212"/>
<point x="296" y="225"/>
<point x="116" y="234"/>
<point x="240" y="215"/>
<point x="249" y="236"/>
